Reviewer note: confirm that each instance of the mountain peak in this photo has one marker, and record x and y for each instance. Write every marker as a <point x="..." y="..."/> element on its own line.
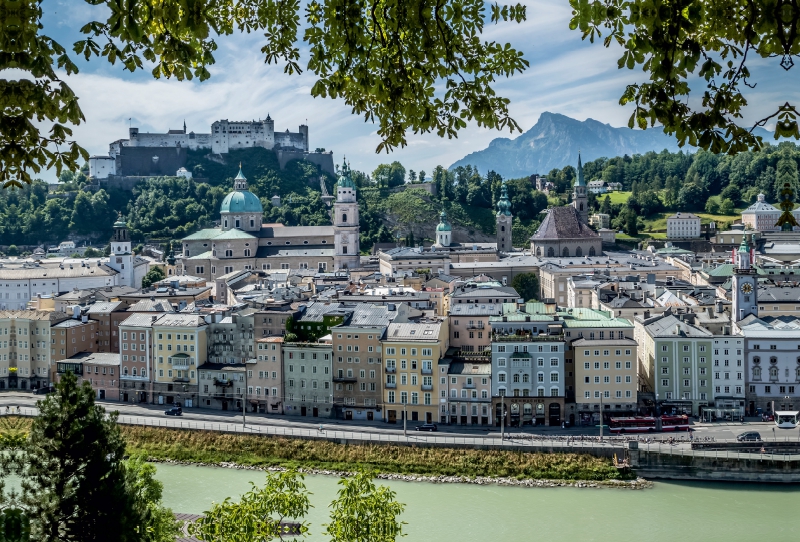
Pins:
<point x="554" y="142"/>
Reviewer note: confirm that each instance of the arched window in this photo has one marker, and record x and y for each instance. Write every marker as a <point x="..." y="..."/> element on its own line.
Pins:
<point x="252" y="223"/>
<point x="550" y="252"/>
<point x="756" y="373"/>
<point x="144" y="372"/>
<point x="538" y="251"/>
<point x="247" y="252"/>
<point x="516" y="378"/>
<point x="565" y="252"/>
<point x="578" y="252"/>
<point x="502" y="228"/>
<point x="581" y="206"/>
<point x="237" y="222"/>
<point x="344" y="217"/>
<point x="226" y="222"/>
<point x="591" y="251"/>
<point x="526" y="378"/>
<point x="773" y="372"/>
<point x="133" y="371"/>
<point x="228" y="253"/>
<point x="125" y="371"/>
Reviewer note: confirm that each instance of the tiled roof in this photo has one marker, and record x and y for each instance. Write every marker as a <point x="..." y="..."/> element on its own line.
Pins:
<point x="563" y="223"/>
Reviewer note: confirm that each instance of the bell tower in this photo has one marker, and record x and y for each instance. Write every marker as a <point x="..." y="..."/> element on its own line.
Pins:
<point x="504" y="221"/>
<point x="121" y="258"/>
<point x="744" y="285"/>
<point x="580" y="200"/>
<point x="345" y="223"/>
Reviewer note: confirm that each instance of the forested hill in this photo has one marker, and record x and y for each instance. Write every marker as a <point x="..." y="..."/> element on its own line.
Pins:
<point x="393" y="202"/>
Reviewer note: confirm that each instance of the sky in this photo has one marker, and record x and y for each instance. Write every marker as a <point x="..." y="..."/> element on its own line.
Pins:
<point x="566" y="75"/>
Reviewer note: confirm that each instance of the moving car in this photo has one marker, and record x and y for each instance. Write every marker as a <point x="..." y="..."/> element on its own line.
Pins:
<point x="174" y="411"/>
<point x="427" y="427"/>
<point x="750" y="436"/>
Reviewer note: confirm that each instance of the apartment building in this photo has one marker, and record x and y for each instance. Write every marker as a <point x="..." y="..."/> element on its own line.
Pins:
<point x="606" y="379"/>
<point x="136" y="357"/>
<point x="108" y="315"/>
<point x="358" y="361"/>
<point x="221" y="386"/>
<point x="179" y="348"/>
<point x="271" y="321"/>
<point x="678" y="355"/>
<point x="411" y="353"/>
<point x="30" y="343"/>
<point x="100" y="369"/>
<point x="307" y="378"/>
<point x="230" y="338"/>
<point x="468" y="390"/>
<point x="267" y="378"/>
<point x="469" y="325"/>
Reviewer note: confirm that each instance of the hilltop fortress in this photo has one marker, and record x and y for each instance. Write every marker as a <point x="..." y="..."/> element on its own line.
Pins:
<point x="146" y="154"/>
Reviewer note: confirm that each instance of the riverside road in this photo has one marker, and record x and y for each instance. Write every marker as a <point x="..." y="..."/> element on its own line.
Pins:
<point x="153" y="415"/>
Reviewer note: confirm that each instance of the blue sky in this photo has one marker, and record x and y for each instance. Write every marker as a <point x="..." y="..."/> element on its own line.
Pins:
<point x="566" y="75"/>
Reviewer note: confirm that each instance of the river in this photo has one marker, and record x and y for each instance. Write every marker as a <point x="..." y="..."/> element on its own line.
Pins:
<point x="463" y="512"/>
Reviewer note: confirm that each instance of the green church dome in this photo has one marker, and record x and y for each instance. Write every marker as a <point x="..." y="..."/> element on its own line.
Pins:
<point x="345" y="179"/>
<point x="241" y="200"/>
<point x="444" y="225"/>
<point x="504" y="205"/>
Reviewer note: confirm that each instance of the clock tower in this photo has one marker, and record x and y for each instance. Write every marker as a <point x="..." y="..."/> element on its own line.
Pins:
<point x="744" y="290"/>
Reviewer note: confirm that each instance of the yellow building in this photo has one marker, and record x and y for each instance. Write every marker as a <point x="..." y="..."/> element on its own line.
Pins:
<point x="411" y="354"/>
<point x="179" y="347"/>
<point x="606" y="373"/>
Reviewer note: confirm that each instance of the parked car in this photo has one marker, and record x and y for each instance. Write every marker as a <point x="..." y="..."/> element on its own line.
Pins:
<point x="750" y="436"/>
<point x="427" y="427"/>
<point x="174" y="411"/>
<point x="44" y="390"/>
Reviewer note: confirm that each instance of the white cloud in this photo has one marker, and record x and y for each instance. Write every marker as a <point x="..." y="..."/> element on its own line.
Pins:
<point x="567" y="75"/>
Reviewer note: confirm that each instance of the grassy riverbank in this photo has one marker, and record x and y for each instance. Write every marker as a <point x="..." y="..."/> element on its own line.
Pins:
<point x="211" y="447"/>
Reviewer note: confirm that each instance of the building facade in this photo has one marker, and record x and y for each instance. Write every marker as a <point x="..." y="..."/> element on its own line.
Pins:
<point x="179" y="348"/>
<point x="683" y="226"/>
<point x="606" y="378"/>
<point x="307" y="379"/>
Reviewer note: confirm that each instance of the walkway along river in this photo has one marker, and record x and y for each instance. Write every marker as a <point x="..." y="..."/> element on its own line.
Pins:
<point x="465" y="513"/>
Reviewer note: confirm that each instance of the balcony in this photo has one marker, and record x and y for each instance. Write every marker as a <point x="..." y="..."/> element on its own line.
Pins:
<point x="468" y="386"/>
<point x="428" y="387"/>
<point x="390" y="385"/>
<point x="391" y="370"/>
<point x="345" y="379"/>
<point x="427" y="371"/>
<point x="479" y="325"/>
<point x="181" y="367"/>
<point x="223" y="383"/>
<point x="526" y="338"/>
<point x="181" y="379"/>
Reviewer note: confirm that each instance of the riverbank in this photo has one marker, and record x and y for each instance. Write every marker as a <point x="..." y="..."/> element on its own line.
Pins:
<point x="212" y="448"/>
<point x="638" y="483"/>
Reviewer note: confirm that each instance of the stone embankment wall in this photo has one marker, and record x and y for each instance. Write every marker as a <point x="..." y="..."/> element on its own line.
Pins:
<point x="723" y="465"/>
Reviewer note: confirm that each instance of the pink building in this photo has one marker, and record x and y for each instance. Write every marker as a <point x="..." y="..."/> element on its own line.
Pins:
<point x="100" y="369"/>
<point x="469" y="325"/>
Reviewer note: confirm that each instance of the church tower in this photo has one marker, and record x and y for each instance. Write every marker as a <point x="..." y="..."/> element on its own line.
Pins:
<point x="444" y="232"/>
<point x="744" y="284"/>
<point x="345" y="223"/>
<point x="504" y="221"/>
<point x="121" y="259"/>
<point x="579" y="198"/>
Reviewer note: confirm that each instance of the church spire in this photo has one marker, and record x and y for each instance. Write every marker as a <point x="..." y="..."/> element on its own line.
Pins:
<point x="580" y="181"/>
<point x="240" y="182"/>
<point x="503" y="204"/>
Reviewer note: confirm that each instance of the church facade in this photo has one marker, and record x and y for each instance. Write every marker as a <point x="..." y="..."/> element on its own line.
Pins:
<point x="244" y="242"/>
<point x="565" y="231"/>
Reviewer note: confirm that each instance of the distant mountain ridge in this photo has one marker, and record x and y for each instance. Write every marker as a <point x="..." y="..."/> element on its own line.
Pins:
<point x="554" y="142"/>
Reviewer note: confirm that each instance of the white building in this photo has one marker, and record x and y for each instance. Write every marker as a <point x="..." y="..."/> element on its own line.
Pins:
<point x="728" y="371"/>
<point x="683" y="226"/>
<point x="19" y="283"/>
<point x="762" y="216"/>
<point x="100" y="167"/>
<point x="597" y="187"/>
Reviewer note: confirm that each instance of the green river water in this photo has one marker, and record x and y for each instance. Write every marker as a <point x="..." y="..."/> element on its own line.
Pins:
<point x="461" y="512"/>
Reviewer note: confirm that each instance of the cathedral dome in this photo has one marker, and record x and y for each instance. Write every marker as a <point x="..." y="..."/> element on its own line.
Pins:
<point x="241" y="200"/>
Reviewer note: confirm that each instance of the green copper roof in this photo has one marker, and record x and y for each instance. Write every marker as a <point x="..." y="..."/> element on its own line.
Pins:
<point x="444" y="225"/>
<point x="504" y="205"/>
<point x="120" y="223"/>
<point x="345" y="179"/>
<point x="240" y="176"/>
<point x="580" y="181"/>
<point x="241" y="201"/>
<point x="743" y="246"/>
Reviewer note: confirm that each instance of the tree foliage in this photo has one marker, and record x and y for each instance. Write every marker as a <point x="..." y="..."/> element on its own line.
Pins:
<point x="73" y="477"/>
<point x="259" y="513"/>
<point x="418" y="65"/>
<point x="363" y="512"/>
<point x="526" y="285"/>
<point x="154" y="274"/>
<point x="675" y="41"/>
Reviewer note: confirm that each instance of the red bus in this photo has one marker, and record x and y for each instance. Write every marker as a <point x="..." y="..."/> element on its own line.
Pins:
<point x="634" y="424"/>
<point x="674" y="423"/>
